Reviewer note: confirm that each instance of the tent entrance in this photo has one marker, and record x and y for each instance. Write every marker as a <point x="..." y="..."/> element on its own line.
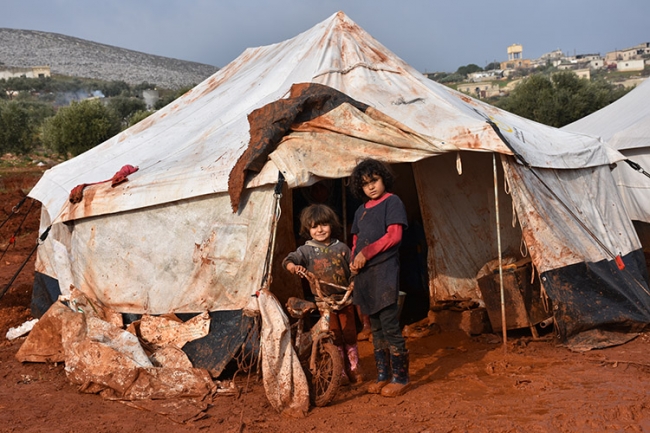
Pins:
<point x="456" y="193"/>
<point x="413" y="252"/>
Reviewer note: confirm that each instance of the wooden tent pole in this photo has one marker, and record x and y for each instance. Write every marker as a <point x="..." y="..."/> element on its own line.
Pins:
<point x="496" y="207"/>
<point x="344" y="211"/>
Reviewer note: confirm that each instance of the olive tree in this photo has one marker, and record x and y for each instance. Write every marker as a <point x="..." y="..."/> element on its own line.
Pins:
<point x="559" y="99"/>
<point x="15" y="129"/>
<point x="79" y="127"/>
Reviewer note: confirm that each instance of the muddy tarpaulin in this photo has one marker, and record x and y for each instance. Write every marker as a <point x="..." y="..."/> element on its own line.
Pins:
<point x="599" y="296"/>
<point x="271" y="122"/>
<point x="573" y="237"/>
<point x="45" y="291"/>
<point x="230" y="331"/>
<point x="103" y="358"/>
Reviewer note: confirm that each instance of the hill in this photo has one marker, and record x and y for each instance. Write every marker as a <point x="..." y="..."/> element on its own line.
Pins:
<point x="66" y="55"/>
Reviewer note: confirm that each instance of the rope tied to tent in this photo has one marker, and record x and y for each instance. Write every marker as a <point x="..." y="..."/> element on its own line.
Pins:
<point x="12" y="239"/>
<point x="525" y="163"/>
<point x="14" y="211"/>
<point x="277" y="212"/>
<point x="41" y="239"/>
<point x="637" y="167"/>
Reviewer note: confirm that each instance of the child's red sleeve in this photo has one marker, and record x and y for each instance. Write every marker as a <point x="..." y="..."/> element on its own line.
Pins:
<point x="354" y="244"/>
<point x="392" y="237"/>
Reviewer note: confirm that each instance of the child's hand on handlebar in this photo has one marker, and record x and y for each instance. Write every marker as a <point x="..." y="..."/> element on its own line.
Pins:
<point x="296" y="269"/>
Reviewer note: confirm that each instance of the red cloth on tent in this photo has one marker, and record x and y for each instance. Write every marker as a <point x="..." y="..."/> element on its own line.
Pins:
<point x="77" y="193"/>
<point x="121" y="176"/>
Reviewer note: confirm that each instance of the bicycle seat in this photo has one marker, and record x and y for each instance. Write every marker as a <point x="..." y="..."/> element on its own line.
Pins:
<point x="299" y="307"/>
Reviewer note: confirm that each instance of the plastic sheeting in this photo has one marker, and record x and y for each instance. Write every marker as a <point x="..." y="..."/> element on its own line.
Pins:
<point x="103" y="358"/>
<point x="347" y="135"/>
<point x="625" y="125"/>
<point x="459" y="219"/>
<point x="284" y="379"/>
<point x="187" y="257"/>
<point x="593" y="228"/>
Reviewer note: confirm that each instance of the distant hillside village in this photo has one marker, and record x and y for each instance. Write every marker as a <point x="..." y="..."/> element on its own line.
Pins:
<point x="636" y="58"/>
<point x="489" y="83"/>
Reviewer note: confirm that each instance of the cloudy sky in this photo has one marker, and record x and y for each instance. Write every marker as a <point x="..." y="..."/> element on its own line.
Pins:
<point x="431" y="35"/>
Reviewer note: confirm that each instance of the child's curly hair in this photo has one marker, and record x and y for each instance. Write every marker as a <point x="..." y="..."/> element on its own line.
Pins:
<point x="317" y="214"/>
<point x="369" y="168"/>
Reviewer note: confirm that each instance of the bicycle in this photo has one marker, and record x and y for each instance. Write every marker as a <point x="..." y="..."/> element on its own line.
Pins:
<point x="319" y="357"/>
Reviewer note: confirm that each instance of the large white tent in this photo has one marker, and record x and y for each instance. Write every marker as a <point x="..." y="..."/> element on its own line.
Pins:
<point x="167" y="239"/>
<point x="625" y="125"/>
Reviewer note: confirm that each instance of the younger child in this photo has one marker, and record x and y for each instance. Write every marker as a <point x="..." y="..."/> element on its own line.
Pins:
<point x="377" y="233"/>
<point x="329" y="260"/>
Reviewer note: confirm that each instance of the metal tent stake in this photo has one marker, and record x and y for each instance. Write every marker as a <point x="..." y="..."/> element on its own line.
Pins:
<point x="496" y="206"/>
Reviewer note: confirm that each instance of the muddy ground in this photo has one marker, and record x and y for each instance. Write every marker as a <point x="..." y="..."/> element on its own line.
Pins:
<point x="460" y="383"/>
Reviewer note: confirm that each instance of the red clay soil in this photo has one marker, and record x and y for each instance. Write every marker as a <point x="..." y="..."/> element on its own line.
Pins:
<point x="460" y="384"/>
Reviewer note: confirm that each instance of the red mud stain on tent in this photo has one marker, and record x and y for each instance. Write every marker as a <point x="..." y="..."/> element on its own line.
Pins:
<point x="466" y="99"/>
<point x="464" y="138"/>
<point x="219" y="77"/>
<point x="141" y="126"/>
<point x="89" y="195"/>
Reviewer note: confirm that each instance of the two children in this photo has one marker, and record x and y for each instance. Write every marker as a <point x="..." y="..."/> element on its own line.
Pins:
<point x="377" y="233"/>
<point x="329" y="260"/>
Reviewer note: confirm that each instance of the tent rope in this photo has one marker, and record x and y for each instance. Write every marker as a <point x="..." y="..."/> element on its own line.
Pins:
<point x="277" y="194"/>
<point x="14" y="211"/>
<point x="12" y="239"/>
<point x="40" y="240"/>
<point x="637" y="167"/>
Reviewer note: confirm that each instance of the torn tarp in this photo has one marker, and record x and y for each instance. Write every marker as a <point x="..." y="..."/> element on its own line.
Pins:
<point x="102" y="358"/>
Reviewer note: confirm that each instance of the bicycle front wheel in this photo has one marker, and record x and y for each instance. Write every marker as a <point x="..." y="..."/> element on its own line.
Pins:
<point x="326" y="378"/>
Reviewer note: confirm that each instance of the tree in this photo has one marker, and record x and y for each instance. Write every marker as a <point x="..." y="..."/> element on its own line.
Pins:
<point x="113" y="88"/>
<point x="138" y="116"/>
<point x="79" y="127"/>
<point x="559" y="99"/>
<point x="125" y="106"/>
<point x="493" y="65"/>
<point x="15" y="129"/>
<point x="169" y="97"/>
<point x="452" y="78"/>
<point x="469" y="69"/>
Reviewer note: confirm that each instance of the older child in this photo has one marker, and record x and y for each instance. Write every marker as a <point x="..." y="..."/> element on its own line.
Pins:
<point x="329" y="260"/>
<point x="377" y="233"/>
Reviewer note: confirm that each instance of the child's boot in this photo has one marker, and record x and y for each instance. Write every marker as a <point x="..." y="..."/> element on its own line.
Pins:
<point x="382" y="360"/>
<point x="355" y="374"/>
<point x="344" y="377"/>
<point x="400" y="382"/>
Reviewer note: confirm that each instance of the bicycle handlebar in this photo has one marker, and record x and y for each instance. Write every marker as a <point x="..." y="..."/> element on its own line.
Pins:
<point x="315" y="284"/>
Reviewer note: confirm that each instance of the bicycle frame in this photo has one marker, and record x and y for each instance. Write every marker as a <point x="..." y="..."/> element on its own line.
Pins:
<point x="318" y="355"/>
<point x="306" y="342"/>
<point x="321" y="329"/>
